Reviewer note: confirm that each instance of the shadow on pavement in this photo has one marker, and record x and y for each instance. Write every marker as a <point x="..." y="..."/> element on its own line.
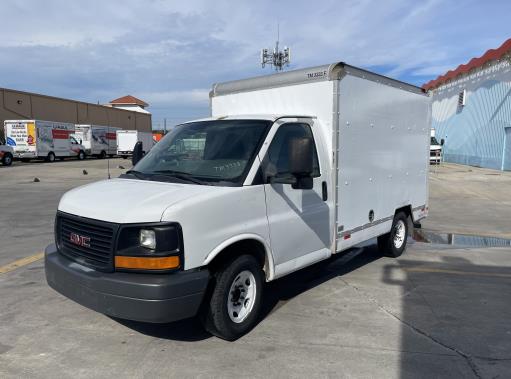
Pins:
<point x="277" y="293"/>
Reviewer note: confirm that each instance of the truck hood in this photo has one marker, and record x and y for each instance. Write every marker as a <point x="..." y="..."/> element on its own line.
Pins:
<point x="127" y="200"/>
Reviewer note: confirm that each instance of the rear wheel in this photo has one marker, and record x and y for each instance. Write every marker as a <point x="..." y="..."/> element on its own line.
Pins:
<point x="81" y="155"/>
<point x="50" y="157"/>
<point x="102" y="155"/>
<point x="393" y="244"/>
<point x="235" y="303"/>
<point x="7" y="159"/>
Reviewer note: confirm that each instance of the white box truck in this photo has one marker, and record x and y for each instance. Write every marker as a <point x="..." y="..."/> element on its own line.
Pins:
<point x="98" y="140"/>
<point x="126" y="140"/>
<point x="32" y="139"/>
<point x="289" y="170"/>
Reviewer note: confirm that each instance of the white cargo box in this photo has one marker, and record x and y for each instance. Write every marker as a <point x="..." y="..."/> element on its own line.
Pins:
<point x="126" y="140"/>
<point x="376" y="130"/>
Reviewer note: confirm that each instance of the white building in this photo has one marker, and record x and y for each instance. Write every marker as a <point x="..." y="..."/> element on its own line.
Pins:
<point x="130" y="103"/>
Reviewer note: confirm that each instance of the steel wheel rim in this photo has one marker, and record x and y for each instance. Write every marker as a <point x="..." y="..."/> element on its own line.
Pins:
<point x="241" y="296"/>
<point x="399" y="234"/>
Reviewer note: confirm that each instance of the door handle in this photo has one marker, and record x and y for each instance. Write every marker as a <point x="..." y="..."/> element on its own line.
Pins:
<point x="324" y="191"/>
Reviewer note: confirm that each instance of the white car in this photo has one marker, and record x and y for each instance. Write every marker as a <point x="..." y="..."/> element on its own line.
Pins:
<point x="290" y="169"/>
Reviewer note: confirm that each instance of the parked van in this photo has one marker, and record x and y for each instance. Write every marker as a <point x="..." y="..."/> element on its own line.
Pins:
<point x="98" y="141"/>
<point x="289" y="170"/>
<point x="126" y="140"/>
<point x="48" y="140"/>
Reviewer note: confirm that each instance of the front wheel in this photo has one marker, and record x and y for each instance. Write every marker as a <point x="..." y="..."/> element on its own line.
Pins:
<point x="393" y="244"/>
<point x="50" y="157"/>
<point x="235" y="303"/>
<point x="7" y="159"/>
<point x="81" y="155"/>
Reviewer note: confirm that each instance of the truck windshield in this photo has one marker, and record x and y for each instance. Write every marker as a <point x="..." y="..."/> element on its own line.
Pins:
<point x="434" y="141"/>
<point x="216" y="152"/>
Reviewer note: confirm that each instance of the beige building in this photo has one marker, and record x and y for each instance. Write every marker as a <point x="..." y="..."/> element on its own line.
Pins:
<point x="18" y="105"/>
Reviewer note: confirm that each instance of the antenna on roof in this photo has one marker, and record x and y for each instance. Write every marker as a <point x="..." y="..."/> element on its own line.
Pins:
<point x="276" y="58"/>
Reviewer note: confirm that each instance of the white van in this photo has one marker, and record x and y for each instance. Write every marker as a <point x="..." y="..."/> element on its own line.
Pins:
<point x="31" y="139"/>
<point x="126" y="140"/>
<point x="290" y="169"/>
<point x="98" y="141"/>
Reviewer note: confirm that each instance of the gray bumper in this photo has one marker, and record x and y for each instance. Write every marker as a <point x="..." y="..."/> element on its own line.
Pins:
<point x="156" y="298"/>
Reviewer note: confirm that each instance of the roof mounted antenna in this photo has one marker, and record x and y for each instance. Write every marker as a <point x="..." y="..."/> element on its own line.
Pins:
<point x="276" y="58"/>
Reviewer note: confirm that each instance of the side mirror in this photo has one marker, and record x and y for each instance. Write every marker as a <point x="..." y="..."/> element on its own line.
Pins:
<point x="442" y="141"/>
<point x="137" y="153"/>
<point x="300" y="162"/>
<point x="300" y="156"/>
<point x="81" y="142"/>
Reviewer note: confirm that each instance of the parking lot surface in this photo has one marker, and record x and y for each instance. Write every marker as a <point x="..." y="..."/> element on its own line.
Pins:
<point x="437" y="311"/>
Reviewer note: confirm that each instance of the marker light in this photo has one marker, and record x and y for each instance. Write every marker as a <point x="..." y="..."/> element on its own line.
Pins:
<point x="147" y="263"/>
<point x="148" y="238"/>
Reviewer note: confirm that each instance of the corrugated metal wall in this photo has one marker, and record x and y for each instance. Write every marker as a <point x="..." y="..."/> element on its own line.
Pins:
<point x="474" y="134"/>
<point x="17" y="105"/>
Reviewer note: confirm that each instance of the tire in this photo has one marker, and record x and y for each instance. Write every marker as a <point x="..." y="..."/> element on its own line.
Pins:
<point x="393" y="244"/>
<point x="81" y="155"/>
<point x="50" y="157"/>
<point x="124" y="156"/>
<point x="102" y="155"/>
<point x="7" y="159"/>
<point x="225" y="315"/>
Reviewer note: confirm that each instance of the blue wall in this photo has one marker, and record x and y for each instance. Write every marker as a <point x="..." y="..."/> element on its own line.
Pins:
<point x="475" y="133"/>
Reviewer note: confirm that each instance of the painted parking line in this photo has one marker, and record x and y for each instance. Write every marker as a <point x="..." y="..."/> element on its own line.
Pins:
<point x="458" y="272"/>
<point x="20" y="263"/>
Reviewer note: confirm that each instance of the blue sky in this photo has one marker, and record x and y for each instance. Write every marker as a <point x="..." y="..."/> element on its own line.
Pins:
<point x="168" y="53"/>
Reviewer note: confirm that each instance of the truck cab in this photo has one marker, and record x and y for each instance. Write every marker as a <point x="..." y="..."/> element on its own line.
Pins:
<point x="435" y="149"/>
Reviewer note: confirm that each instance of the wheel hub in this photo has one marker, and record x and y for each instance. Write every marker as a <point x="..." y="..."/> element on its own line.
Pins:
<point x="399" y="234"/>
<point x="241" y="296"/>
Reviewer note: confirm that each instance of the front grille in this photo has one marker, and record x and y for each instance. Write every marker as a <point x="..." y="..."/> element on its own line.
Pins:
<point x="89" y="242"/>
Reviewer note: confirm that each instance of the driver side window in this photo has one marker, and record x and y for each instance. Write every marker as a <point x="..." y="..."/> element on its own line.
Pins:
<point x="278" y="152"/>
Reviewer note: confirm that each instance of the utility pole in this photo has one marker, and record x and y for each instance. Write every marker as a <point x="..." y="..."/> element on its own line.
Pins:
<point x="165" y="126"/>
<point x="276" y="58"/>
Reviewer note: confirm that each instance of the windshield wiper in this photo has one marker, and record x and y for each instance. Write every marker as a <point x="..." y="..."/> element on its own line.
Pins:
<point x="182" y="175"/>
<point x="138" y="174"/>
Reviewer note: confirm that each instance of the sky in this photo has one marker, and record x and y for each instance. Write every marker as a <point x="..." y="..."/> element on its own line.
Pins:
<point x="169" y="53"/>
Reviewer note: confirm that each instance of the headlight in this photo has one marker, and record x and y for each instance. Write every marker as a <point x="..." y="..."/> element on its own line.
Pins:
<point x="147" y="238"/>
<point x="149" y="247"/>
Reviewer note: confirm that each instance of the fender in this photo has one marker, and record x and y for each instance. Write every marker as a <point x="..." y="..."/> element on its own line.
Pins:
<point x="269" y="265"/>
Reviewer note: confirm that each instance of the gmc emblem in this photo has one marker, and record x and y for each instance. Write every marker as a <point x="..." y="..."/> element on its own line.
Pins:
<point x="79" y="240"/>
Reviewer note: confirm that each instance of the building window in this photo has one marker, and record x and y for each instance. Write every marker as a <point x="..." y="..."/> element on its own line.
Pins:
<point x="462" y="96"/>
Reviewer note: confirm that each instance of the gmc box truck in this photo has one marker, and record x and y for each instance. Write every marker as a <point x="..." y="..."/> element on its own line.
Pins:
<point x="289" y="170"/>
<point x="35" y="139"/>
<point x="98" y="140"/>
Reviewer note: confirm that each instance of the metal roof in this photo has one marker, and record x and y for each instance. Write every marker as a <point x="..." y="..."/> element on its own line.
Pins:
<point x="332" y="71"/>
<point x="490" y="55"/>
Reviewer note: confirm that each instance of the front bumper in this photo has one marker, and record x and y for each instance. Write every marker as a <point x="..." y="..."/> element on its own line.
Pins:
<point x="156" y="298"/>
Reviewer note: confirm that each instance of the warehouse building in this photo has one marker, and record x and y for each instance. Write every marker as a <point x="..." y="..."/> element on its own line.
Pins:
<point x="471" y="110"/>
<point x="18" y="105"/>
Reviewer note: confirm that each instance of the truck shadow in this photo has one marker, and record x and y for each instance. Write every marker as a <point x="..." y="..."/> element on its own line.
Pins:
<point x="277" y="294"/>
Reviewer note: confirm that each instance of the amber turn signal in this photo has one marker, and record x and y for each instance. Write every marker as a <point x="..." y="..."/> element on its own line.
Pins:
<point x="147" y="263"/>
